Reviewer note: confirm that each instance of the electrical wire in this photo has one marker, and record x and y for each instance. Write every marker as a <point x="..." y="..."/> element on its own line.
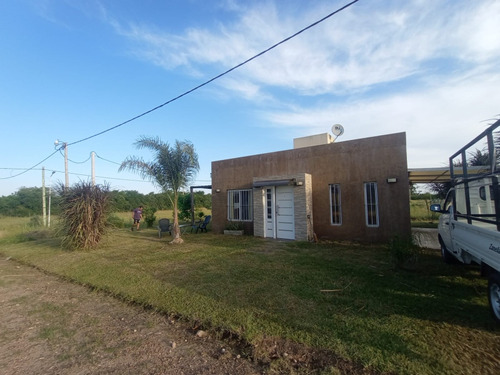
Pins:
<point x="109" y="161"/>
<point x="29" y="169"/>
<point x="73" y="174"/>
<point x="217" y="76"/>
<point x="187" y="92"/>
<point x="77" y="162"/>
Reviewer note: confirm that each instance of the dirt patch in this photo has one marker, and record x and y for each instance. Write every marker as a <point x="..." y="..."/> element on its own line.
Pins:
<point x="49" y="326"/>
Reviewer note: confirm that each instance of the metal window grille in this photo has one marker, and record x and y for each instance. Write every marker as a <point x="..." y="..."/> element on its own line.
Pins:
<point x="239" y="205"/>
<point x="335" y="205"/>
<point x="371" y="204"/>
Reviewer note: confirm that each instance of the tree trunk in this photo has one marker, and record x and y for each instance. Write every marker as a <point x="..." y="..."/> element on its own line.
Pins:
<point x="176" y="233"/>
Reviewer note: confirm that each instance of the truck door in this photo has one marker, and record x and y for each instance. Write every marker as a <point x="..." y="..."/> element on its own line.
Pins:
<point x="445" y="225"/>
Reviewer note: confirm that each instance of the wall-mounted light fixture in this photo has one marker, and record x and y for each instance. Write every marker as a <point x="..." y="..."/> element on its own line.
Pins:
<point x="299" y="183"/>
<point x="392" y="180"/>
<point x="217" y="190"/>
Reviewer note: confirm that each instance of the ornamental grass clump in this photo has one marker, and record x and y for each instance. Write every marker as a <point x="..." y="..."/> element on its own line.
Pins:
<point x="84" y="209"/>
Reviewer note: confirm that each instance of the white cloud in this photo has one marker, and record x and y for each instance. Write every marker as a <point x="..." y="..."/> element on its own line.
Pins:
<point x="438" y="120"/>
<point x="427" y="68"/>
<point x="358" y="48"/>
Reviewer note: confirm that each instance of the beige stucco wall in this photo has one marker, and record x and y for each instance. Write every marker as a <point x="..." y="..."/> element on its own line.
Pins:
<point x="348" y="163"/>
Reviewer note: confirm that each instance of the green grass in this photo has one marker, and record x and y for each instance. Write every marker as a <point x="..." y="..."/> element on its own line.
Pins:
<point x="420" y="214"/>
<point x="347" y="299"/>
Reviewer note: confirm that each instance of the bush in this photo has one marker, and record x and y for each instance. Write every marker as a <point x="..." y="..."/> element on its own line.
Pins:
<point x="84" y="209"/>
<point x="404" y="252"/>
<point x="149" y="216"/>
<point x="115" y="221"/>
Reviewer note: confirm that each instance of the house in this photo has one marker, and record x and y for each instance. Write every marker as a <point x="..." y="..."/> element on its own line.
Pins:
<point x="351" y="190"/>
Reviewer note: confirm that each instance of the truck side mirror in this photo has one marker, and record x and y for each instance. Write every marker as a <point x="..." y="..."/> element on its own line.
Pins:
<point x="436" y="208"/>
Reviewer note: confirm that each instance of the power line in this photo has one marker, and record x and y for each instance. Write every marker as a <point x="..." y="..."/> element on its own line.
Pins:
<point x="218" y="76"/>
<point x="28" y="169"/>
<point x="77" y="162"/>
<point x="71" y="173"/>
<point x="109" y="161"/>
<point x="189" y="91"/>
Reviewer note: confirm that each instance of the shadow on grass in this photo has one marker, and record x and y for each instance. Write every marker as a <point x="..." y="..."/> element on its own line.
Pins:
<point x="341" y="297"/>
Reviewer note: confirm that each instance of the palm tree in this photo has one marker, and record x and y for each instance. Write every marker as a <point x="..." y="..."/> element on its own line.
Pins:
<point x="172" y="169"/>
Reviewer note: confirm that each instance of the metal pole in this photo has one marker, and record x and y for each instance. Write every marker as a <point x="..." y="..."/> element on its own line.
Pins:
<point x="192" y="205"/>
<point x="50" y="197"/>
<point x="93" y="167"/>
<point x="44" y="208"/>
<point x="66" y="175"/>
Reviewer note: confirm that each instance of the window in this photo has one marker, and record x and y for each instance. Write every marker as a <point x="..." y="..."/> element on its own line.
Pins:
<point x="371" y="204"/>
<point x="335" y="205"/>
<point x="482" y="192"/>
<point x="269" y="203"/>
<point x="239" y="205"/>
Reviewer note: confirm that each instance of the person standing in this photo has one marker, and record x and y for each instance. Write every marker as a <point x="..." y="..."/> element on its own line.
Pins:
<point x="137" y="216"/>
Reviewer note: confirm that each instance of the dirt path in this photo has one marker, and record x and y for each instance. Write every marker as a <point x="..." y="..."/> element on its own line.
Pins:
<point x="48" y="326"/>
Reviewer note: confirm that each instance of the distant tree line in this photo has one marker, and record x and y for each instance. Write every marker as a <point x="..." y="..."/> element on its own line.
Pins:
<point x="28" y="201"/>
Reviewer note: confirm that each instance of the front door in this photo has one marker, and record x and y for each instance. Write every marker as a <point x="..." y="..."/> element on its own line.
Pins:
<point x="270" y="217"/>
<point x="285" y="220"/>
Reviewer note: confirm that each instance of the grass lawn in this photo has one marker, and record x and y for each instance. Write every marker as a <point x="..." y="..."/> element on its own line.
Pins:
<point x="346" y="300"/>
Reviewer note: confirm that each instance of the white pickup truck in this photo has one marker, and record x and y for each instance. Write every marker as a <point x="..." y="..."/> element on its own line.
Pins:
<point x="469" y="226"/>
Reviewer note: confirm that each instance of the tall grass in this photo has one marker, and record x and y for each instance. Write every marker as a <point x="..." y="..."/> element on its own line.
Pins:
<point x="347" y="300"/>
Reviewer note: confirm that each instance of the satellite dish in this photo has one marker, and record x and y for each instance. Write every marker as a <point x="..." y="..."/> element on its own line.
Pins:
<point x="337" y="130"/>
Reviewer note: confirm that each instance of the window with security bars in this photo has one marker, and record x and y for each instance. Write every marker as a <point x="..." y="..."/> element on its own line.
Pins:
<point x="371" y="204"/>
<point x="239" y="205"/>
<point x="335" y="205"/>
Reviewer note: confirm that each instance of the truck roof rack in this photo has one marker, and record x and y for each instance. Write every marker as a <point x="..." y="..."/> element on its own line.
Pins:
<point x="479" y="157"/>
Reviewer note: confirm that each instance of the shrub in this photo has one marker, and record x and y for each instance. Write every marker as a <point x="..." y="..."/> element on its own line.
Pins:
<point x="84" y="209"/>
<point x="149" y="216"/>
<point x="404" y="251"/>
<point x="115" y="221"/>
<point x="234" y="225"/>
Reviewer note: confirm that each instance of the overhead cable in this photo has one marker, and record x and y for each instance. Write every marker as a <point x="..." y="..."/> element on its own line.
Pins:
<point x="29" y="169"/>
<point x="216" y="77"/>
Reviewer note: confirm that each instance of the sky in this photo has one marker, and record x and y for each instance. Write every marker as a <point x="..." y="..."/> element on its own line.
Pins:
<point x="72" y="69"/>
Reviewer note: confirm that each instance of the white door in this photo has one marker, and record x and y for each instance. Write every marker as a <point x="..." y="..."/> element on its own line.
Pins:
<point x="269" y="213"/>
<point x="285" y="220"/>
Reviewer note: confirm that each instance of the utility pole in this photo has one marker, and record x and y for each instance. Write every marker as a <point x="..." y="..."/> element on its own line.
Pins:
<point x="50" y="196"/>
<point x="93" y="167"/>
<point x="66" y="174"/>
<point x="44" y="208"/>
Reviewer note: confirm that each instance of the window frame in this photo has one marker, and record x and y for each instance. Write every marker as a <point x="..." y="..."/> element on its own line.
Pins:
<point x="242" y="204"/>
<point x="335" y="204"/>
<point x="371" y="204"/>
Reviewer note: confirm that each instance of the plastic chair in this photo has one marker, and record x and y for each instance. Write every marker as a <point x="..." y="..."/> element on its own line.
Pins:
<point x="164" y="226"/>
<point x="202" y="225"/>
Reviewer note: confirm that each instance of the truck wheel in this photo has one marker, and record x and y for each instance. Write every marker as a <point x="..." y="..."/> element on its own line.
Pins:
<point x="494" y="295"/>
<point x="445" y="254"/>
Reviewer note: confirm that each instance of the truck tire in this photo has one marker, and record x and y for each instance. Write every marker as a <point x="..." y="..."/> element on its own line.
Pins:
<point x="446" y="255"/>
<point x="494" y="295"/>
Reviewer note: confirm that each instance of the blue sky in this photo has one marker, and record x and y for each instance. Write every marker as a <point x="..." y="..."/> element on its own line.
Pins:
<point x="70" y="69"/>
